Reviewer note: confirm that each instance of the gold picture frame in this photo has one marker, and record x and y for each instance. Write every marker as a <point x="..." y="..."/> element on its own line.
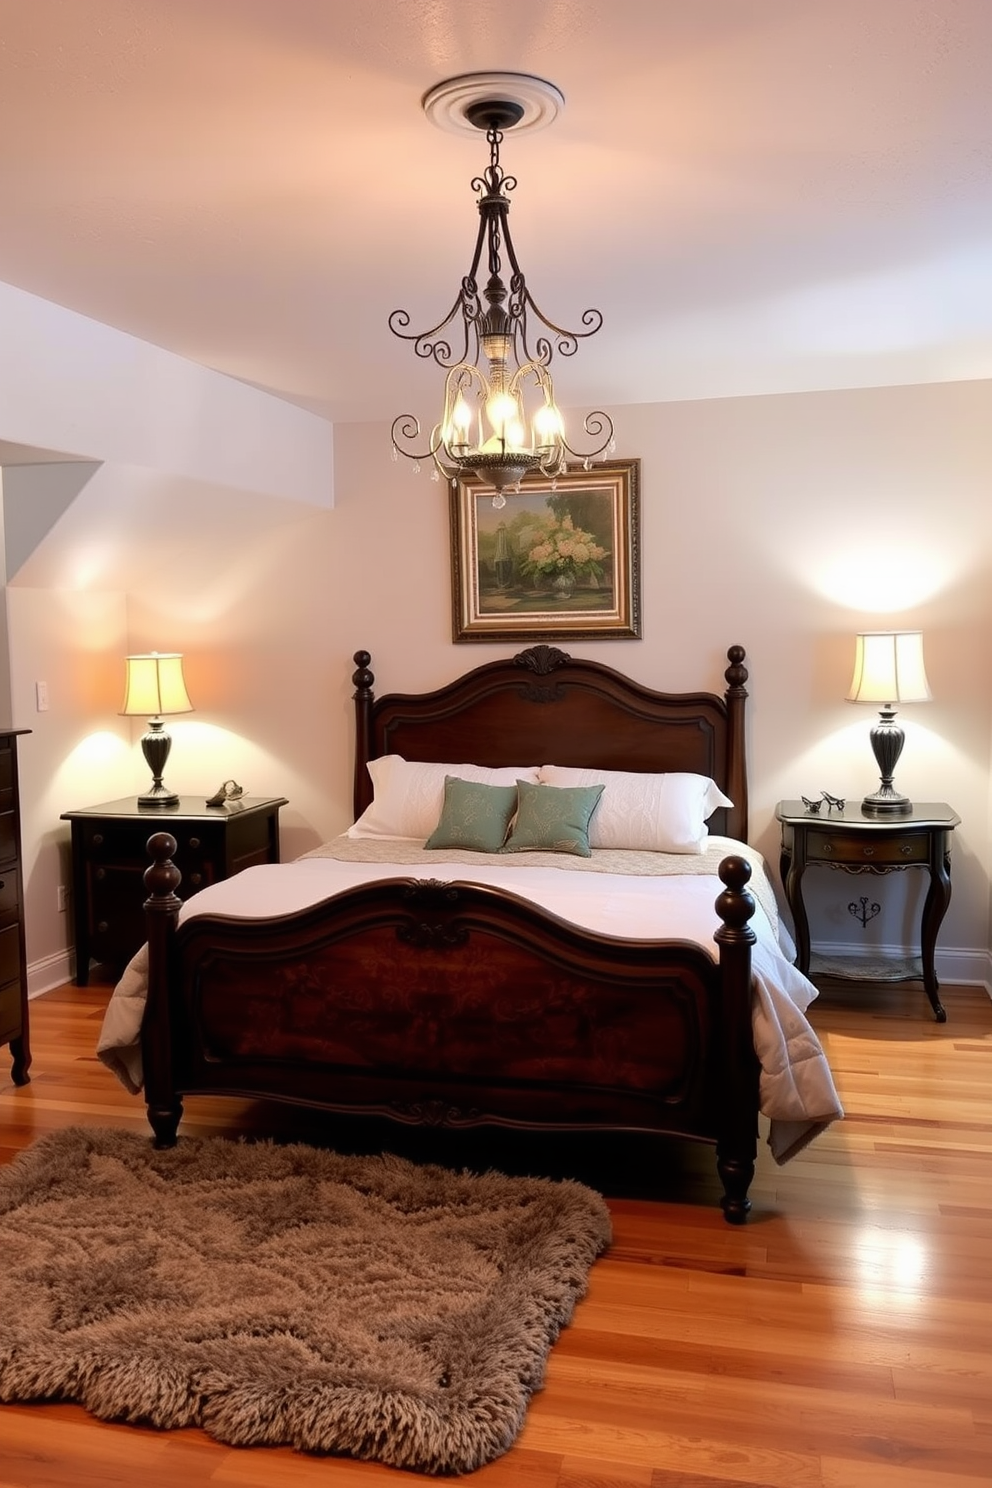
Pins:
<point x="560" y="560"/>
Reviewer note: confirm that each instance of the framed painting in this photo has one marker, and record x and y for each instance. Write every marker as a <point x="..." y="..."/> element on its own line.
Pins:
<point x="559" y="559"/>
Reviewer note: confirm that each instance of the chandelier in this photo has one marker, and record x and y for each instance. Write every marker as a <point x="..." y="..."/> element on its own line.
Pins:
<point x="499" y="420"/>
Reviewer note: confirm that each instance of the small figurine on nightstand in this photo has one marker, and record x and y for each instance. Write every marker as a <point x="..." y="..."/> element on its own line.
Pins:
<point x="229" y="790"/>
<point x="834" y="803"/>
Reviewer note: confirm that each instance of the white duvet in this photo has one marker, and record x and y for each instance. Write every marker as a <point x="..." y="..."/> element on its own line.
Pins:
<point x="631" y="895"/>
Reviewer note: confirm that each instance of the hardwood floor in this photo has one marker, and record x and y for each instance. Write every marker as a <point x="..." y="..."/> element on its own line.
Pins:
<point x="842" y="1339"/>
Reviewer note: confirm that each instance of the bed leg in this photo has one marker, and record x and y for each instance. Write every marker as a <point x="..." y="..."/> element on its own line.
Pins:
<point x="735" y="1175"/>
<point x="164" y="1122"/>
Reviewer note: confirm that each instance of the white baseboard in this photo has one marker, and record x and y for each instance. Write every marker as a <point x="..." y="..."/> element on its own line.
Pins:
<point x="50" y="971"/>
<point x="953" y="965"/>
<point x="972" y="967"/>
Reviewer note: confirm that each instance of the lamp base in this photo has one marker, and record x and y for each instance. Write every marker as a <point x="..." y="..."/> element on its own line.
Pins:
<point x="155" y="746"/>
<point x="886" y="742"/>
<point x="886" y="803"/>
<point x="159" y="795"/>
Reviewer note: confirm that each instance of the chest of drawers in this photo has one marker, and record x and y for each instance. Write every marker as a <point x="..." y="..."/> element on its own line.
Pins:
<point x="13" y="961"/>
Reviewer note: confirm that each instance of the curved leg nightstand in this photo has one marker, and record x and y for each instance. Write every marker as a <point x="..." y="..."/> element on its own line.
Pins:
<point x="856" y="842"/>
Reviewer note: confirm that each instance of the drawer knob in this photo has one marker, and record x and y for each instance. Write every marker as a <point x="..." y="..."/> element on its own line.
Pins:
<point x="828" y="847"/>
<point x="103" y="927"/>
<point x="905" y="849"/>
<point x="196" y="878"/>
<point x="869" y="852"/>
<point x="97" y="839"/>
<point x="100" y="874"/>
<point x="194" y="843"/>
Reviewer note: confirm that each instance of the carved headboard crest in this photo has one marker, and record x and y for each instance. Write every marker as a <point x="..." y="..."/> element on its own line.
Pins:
<point x="541" y="660"/>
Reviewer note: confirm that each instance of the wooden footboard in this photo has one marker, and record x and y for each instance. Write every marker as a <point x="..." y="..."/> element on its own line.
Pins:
<point x="456" y="1004"/>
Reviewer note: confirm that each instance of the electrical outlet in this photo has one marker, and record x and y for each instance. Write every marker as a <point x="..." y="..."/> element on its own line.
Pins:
<point x="41" y="696"/>
<point x="63" y="894"/>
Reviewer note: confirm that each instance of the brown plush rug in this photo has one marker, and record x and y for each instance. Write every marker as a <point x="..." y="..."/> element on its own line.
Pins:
<point x="283" y="1294"/>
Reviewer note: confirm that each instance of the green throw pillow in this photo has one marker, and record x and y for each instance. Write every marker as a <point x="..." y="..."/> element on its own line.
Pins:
<point x="474" y="816"/>
<point x="553" y="818"/>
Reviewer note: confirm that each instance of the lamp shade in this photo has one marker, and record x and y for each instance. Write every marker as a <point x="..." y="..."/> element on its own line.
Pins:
<point x="888" y="668"/>
<point x="154" y="685"/>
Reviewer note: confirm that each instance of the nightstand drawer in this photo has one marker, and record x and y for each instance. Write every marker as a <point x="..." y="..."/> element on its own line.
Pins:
<point x="853" y="848"/>
<point x="114" y="900"/>
<point x="105" y="842"/>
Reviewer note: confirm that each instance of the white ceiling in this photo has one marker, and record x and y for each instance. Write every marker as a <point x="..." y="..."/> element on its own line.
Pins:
<point x="760" y="195"/>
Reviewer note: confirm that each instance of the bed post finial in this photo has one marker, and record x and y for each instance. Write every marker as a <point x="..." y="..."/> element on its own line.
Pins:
<point x="736" y="697"/>
<point x="364" y="681"/>
<point x="736" y="673"/>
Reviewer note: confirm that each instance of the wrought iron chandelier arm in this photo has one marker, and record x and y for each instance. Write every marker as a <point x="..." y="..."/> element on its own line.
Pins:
<point x="424" y="343"/>
<point x="406" y="428"/>
<point x="566" y="341"/>
<point x="595" y="424"/>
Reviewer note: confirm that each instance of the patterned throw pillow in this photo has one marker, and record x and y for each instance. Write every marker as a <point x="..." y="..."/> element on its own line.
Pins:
<point x="474" y="816"/>
<point x="550" y="819"/>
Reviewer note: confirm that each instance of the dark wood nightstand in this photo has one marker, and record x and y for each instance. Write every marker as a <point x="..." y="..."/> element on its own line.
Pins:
<point x="109" y="858"/>
<point x="858" y="843"/>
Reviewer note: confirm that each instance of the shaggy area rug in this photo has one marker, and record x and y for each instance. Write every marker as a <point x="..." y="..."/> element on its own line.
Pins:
<point x="287" y="1295"/>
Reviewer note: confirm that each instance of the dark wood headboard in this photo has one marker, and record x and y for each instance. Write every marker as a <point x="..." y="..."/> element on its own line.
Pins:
<point x="544" y="707"/>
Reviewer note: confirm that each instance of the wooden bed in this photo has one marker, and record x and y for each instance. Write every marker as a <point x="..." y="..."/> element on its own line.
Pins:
<point x="414" y="999"/>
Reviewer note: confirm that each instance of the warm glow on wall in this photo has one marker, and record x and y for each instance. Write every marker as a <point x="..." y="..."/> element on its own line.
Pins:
<point x="889" y="582"/>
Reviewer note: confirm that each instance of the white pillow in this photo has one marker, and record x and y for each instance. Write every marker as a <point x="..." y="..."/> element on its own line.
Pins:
<point x="652" y="813"/>
<point x="408" y="795"/>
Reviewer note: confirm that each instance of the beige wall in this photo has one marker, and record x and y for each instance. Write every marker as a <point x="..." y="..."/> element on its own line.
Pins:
<point x="783" y="523"/>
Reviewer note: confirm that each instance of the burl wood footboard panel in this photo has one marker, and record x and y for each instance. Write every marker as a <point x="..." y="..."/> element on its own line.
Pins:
<point x="453" y="1003"/>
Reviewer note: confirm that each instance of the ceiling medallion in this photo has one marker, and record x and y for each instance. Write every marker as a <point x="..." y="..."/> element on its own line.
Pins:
<point x="500" y="420"/>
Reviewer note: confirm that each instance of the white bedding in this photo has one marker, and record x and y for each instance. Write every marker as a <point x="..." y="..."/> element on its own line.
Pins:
<point x="613" y="893"/>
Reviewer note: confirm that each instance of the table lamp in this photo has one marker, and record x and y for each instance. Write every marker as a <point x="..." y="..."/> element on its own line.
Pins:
<point x="888" y="669"/>
<point x="155" y="686"/>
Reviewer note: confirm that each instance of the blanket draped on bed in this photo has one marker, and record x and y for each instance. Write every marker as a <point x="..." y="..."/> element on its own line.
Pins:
<point x="612" y="893"/>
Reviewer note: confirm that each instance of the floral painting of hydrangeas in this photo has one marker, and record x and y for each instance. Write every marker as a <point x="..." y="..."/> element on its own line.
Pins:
<point x="556" y="558"/>
<point x="565" y="554"/>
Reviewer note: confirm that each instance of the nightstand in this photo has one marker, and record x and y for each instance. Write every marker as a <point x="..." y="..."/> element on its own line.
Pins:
<point x="109" y="858"/>
<point x="855" y="842"/>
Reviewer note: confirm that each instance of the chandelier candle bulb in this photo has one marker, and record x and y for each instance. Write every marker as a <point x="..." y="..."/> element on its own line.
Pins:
<point x="461" y="423"/>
